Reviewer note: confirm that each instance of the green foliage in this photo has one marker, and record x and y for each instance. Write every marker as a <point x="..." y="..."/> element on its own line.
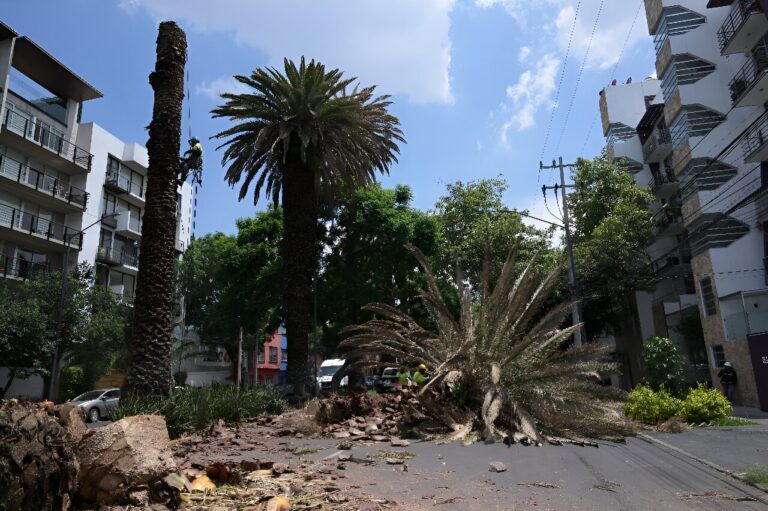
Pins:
<point x="473" y="218"/>
<point x="73" y="382"/>
<point x="756" y="474"/>
<point x="704" y="404"/>
<point x="651" y="407"/>
<point x="231" y="282"/>
<point x="180" y="378"/>
<point x="663" y="364"/>
<point x="365" y="258"/>
<point x="194" y="409"/>
<point x="731" y="421"/>
<point x="612" y="228"/>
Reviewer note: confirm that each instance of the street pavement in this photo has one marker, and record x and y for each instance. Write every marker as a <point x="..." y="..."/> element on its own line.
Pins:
<point x="638" y="475"/>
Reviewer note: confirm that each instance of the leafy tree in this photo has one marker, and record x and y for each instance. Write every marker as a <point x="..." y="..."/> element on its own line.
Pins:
<point x="473" y="218"/>
<point x="612" y="230"/>
<point x="366" y="260"/>
<point x="231" y="283"/>
<point x="304" y="135"/>
<point x="663" y="364"/>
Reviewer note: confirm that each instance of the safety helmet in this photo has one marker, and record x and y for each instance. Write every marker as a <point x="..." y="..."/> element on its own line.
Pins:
<point x="422" y="367"/>
<point x="193" y="141"/>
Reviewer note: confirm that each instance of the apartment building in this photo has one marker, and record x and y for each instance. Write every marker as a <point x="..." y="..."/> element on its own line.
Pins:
<point x="69" y="191"/>
<point x="696" y="136"/>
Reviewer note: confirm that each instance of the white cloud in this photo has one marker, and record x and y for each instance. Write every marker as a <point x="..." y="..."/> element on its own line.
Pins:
<point x="523" y="54"/>
<point x="401" y="45"/>
<point x="221" y="85"/>
<point x="533" y="90"/>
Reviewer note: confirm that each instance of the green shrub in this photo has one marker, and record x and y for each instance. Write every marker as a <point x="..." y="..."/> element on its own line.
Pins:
<point x="193" y="409"/>
<point x="663" y="365"/>
<point x="704" y="404"/>
<point x="651" y="407"/>
<point x="731" y="421"/>
<point x="756" y="474"/>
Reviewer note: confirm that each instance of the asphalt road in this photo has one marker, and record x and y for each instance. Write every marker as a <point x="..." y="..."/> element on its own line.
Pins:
<point x="637" y="475"/>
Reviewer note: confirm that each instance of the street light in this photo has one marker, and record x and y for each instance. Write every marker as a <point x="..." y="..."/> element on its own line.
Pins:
<point x="53" y="385"/>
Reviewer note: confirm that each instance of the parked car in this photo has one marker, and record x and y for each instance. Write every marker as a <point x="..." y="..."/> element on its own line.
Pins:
<point x="97" y="403"/>
<point x="387" y="379"/>
<point x="371" y="381"/>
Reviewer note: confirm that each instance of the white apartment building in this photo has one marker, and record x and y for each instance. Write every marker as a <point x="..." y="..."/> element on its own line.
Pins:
<point x="60" y="177"/>
<point x="698" y="138"/>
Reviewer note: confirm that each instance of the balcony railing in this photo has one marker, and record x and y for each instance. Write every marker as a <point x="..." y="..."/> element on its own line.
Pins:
<point x="16" y="267"/>
<point x="661" y="178"/>
<point x="754" y="69"/>
<point x="122" y="184"/>
<point x="112" y="256"/>
<point x="42" y="182"/>
<point x="41" y="227"/>
<point x="47" y="137"/>
<point x="677" y="262"/>
<point x="755" y="139"/>
<point x="657" y="146"/>
<point x="739" y="15"/>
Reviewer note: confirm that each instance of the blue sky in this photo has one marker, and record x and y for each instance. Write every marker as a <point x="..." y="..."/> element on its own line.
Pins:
<point x="474" y="81"/>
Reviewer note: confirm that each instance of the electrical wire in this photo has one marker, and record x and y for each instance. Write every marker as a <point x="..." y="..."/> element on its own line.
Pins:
<point x="546" y="205"/>
<point x="560" y="82"/>
<point x="579" y="75"/>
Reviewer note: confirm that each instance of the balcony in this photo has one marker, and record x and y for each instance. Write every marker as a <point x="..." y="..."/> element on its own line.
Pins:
<point x="670" y="222"/>
<point x="27" y="179"/>
<point x="663" y="181"/>
<point x="124" y="296"/>
<point x="755" y="141"/>
<point x="21" y="269"/>
<point x="128" y="225"/>
<point x="114" y="257"/>
<point x="48" y="138"/>
<point x="675" y="263"/>
<point x="743" y="27"/>
<point x="750" y="85"/>
<point x="657" y="146"/>
<point x="40" y="228"/>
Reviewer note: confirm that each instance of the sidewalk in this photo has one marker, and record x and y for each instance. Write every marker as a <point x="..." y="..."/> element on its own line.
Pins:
<point x="732" y="448"/>
<point x="754" y="414"/>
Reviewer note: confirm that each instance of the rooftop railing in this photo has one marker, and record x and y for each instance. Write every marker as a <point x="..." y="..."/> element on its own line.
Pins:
<point x="21" y="173"/>
<point x="24" y="221"/>
<point x="50" y="138"/>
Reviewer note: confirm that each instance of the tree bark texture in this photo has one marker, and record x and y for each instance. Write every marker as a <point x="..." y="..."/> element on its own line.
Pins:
<point x="150" y="370"/>
<point x="298" y="251"/>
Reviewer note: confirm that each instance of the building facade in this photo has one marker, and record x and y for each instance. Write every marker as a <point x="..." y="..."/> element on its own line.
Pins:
<point x="697" y="138"/>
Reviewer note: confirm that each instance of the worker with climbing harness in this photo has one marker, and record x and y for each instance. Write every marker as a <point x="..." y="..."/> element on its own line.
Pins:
<point x="192" y="162"/>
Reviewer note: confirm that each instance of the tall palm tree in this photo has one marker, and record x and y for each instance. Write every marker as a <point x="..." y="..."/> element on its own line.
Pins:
<point x="150" y="369"/>
<point x="302" y="135"/>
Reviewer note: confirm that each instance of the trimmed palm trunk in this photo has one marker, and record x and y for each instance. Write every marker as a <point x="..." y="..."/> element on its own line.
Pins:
<point x="150" y="369"/>
<point x="299" y="245"/>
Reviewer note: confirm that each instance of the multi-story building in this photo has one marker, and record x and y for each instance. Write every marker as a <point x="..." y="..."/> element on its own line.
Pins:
<point x="69" y="191"/>
<point x="697" y="137"/>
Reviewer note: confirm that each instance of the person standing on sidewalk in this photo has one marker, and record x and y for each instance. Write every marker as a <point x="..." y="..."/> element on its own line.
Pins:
<point x="728" y="380"/>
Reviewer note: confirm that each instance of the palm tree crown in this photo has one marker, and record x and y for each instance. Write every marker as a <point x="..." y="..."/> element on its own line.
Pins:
<point x="306" y="113"/>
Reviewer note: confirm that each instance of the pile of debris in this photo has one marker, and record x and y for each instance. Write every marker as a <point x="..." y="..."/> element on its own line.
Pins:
<point x="377" y="417"/>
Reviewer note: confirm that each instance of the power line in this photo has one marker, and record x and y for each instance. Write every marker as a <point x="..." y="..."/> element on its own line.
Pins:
<point x="560" y="83"/>
<point x="578" y="77"/>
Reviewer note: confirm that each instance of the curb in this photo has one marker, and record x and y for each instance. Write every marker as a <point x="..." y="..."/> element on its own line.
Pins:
<point x="714" y="466"/>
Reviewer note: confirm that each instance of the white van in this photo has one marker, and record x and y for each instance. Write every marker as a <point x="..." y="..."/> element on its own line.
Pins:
<point x="327" y="369"/>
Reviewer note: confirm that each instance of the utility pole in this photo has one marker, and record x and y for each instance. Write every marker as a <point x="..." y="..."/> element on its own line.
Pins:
<point x="574" y="286"/>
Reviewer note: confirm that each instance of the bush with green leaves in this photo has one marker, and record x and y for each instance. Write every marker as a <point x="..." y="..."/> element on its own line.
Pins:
<point x="651" y="407"/>
<point x="704" y="404"/>
<point x="192" y="409"/>
<point x="663" y="365"/>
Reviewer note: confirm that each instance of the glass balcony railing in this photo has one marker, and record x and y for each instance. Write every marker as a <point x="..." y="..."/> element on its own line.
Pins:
<point x="46" y="136"/>
<point x="24" y="221"/>
<point x="24" y="174"/>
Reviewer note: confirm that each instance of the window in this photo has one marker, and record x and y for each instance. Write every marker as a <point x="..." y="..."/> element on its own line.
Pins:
<point x="708" y="296"/>
<point x="718" y="355"/>
<point x="110" y="203"/>
<point x="272" y="355"/>
<point x="283" y="355"/>
<point x="260" y="358"/>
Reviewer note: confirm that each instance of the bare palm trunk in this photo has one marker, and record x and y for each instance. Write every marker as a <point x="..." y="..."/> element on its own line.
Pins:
<point x="239" y="373"/>
<point x="298" y="251"/>
<point x="150" y="369"/>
